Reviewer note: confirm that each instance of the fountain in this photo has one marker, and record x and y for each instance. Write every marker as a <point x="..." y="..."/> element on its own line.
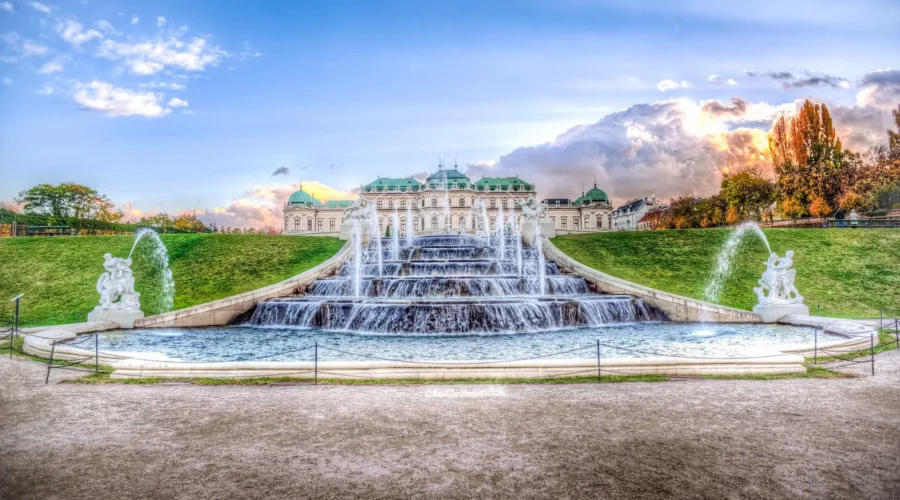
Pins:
<point x="501" y="232"/>
<point x="778" y="279"/>
<point x="117" y="283"/>
<point x="409" y="225"/>
<point x="517" y="237"/>
<point x="395" y="236"/>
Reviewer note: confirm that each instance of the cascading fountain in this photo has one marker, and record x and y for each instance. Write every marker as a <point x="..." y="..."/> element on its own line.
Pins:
<point x="356" y="237"/>
<point x="501" y="232"/>
<point x="409" y="225"/>
<point x="726" y="255"/>
<point x="517" y="238"/>
<point x="395" y="236"/>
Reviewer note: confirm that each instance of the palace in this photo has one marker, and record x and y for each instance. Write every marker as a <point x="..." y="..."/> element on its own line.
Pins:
<point x="444" y="202"/>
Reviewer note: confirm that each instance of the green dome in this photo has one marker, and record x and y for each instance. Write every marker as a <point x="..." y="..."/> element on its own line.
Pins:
<point x="595" y="195"/>
<point x="451" y="174"/>
<point x="303" y="198"/>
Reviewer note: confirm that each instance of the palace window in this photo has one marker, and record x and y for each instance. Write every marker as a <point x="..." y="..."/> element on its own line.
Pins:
<point x="493" y="203"/>
<point x="575" y="221"/>
<point x="297" y="224"/>
<point x="320" y="224"/>
<point x="462" y="222"/>
<point x="309" y="224"/>
<point x="331" y="225"/>
<point x="415" y="223"/>
<point x="402" y="203"/>
<point x="462" y="202"/>
<point x="380" y="204"/>
<point x="433" y="202"/>
<point x="504" y="203"/>
<point x="563" y="221"/>
<point x="587" y="222"/>
<point x="599" y="221"/>
<point x="390" y="203"/>
<point x="434" y="223"/>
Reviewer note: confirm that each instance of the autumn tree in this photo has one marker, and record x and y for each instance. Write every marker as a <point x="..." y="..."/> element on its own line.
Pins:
<point x="68" y="199"/>
<point x="808" y="157"/>
<point x="894" y="137"/>
<point x="749" y="195"/>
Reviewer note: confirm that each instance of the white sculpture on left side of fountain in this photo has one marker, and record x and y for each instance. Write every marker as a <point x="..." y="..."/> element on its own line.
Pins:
<point x="783" y="298"/>
<point x="117" y="283"/>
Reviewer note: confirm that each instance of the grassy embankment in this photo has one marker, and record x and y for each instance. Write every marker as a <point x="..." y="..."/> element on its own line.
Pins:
<point x="58" y="275"/>
<point x="848" y="272"/>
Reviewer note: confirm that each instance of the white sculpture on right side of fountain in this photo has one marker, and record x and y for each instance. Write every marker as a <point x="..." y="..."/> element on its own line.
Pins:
<point x="783" y="298"/>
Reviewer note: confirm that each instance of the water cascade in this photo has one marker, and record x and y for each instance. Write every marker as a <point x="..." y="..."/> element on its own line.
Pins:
<point x="395" y="236"/>
<point x="501" y="232"/>
<point x="409" y="225"/>
<point x="448" y="284"/>
<point x="516" y="230"/>
<point x="538" y="245"/>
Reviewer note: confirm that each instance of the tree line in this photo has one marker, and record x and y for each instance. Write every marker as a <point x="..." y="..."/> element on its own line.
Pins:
<point x="814" y="175"/>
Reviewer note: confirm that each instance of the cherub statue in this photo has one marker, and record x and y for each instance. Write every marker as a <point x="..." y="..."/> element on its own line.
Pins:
<point x="533" y="209"/>
<point x="116" y="282"/>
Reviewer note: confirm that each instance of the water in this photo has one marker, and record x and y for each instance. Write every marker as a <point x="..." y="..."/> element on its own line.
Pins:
<point x="449" y="284"/>
<point x="501" y="231"/>
<point x="395" y="235"/>
<point x="517" y="237"/>
<point x="238" y="343"/>
<point x="409" y="224"/>
<point x="726" y="256"/>
<point x="159" y="260"/>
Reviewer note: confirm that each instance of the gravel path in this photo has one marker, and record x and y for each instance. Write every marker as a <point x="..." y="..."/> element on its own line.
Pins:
<point x="807" y="438"/>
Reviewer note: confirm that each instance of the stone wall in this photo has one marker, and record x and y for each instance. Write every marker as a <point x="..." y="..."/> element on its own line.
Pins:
<point x="222" y="312"/>
<point x="678" y="308"/>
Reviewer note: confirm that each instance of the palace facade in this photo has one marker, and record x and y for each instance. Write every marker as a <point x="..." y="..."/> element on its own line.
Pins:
<point x="444" y="202"/>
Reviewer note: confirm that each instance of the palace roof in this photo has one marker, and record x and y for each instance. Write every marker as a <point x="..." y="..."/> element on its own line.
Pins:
<point x="502" y="184"/>
<point x="383" y="184"/>
<point x="338" y="203"/>
<point x="301" y="197"/>
<point x="451" y="174"/>
<point x="595" y="195"/>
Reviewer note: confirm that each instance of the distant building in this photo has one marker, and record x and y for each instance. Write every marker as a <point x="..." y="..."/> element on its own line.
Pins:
<point x="627" y="217"/>
<point x="447" y="191"/>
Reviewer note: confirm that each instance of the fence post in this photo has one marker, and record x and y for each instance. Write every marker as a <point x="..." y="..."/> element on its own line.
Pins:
<point x="816" y="346"/>
<point x="872" y="350"/>
<point x="881" y="319"/>
<point x="599" y="376"/>
<point x="897" y="332"/>
<point x="316" y="365"/>
<point x="817" y="310"/>
<point x="50" y="363"/>
<point x="96" y="352"/>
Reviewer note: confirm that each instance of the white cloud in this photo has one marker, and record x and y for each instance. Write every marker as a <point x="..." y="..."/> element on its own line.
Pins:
<point x="21" y="46"/>
<point x="187" y="112"/>
<point x="8" y="7"/>
<point x="46" y="90"/>
<point x="148" y="58"/>
<point x="107" y="27"/>
<point x="74" y="33"/>
<point x="30" y="48"/>
<point x="880" y="88"/>
<point x="671" y="85"/>
<point x="40" y="7"/>
<point x="50" y="67"/>
<point x="135" y="19"/>
<point x="178" y="103"/>
<point x="7" y="81"/>
<point x="163" y="85"/>
<point x="719" y="81"/>
<point x="113" y="101"/>
<point x="160" y="22"/>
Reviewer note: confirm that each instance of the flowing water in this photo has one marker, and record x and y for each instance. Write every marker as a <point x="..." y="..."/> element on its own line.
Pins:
<point x="159" y="260"/>
<point x="449" y="284"/>
<point x="726" y="256"/>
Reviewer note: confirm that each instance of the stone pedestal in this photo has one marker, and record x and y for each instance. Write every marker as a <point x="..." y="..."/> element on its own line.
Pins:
<point x="346" y="230"/>
<point x="547" y="229"/>
<point x="124" y="318"/>
<point x="771" y="313"/>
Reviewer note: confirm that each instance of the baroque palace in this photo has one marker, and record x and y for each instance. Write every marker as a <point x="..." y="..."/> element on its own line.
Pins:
<point x="445" y="202"/>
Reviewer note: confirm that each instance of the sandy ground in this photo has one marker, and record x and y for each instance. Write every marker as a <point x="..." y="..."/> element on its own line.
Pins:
<point x="812" y="438"/>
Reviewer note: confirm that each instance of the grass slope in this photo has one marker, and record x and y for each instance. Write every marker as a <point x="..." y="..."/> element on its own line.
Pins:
<point x="59" y="275"/>
<point x="850" y="273"/>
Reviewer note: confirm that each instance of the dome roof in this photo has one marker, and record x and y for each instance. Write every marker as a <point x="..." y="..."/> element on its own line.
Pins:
<point x="450" y="173"/>
<point x="595" y="195"/>
<point x="301" y="197"/>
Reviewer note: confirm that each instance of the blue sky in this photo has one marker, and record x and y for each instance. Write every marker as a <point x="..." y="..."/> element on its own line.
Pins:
<point x="196" y="112"/>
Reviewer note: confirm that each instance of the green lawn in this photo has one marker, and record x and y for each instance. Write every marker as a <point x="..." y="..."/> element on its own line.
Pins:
<point x="850" y="273"/>
<point x="59" y="275"/>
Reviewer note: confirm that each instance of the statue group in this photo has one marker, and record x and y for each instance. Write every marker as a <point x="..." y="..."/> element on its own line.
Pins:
<point x="533" y="210"/>
<point x="117" y="282"/>
<point x="778" y="281"/>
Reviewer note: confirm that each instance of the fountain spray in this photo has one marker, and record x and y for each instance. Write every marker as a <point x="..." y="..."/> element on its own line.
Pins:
<point x="409" y="225"/>
<point x="395" y="235"/>
<point x="501" y="232"/>
<point x="159" y="258"/>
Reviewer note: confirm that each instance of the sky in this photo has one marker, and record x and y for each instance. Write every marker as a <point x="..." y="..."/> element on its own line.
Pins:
<point x="222" y="108"/>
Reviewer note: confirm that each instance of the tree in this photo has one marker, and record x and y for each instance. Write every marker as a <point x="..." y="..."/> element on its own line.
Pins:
<point x="894" y="137"/>
<point x="819" y="207"/>
<point x="189" y="223"/>
<point x="748" y="195"/>
<point x="808" y="156"/>
<point x="791" y="208"/>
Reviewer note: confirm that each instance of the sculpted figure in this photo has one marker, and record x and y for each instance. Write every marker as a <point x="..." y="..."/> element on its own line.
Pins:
<point x="533" y="209"/>
<point x="117" y="282"/>
<point x="357" y="210"/>
<point x="778" y="281"/>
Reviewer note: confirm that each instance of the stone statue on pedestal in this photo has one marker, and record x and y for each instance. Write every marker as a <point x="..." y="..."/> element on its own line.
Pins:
<point x="782" y="298"/>
<point x="533" y="209"/>
<point x="115" y="284"/>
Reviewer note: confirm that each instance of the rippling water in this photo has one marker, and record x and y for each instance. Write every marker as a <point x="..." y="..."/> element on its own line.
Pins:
<point x="238" y="343"/>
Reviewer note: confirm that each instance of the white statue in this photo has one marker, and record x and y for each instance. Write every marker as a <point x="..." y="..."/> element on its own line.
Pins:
<point x="778" y="280"/>
<point x="357" y="210"/>
<point x="533" y="209"/>
<point x="117" y="282"/>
